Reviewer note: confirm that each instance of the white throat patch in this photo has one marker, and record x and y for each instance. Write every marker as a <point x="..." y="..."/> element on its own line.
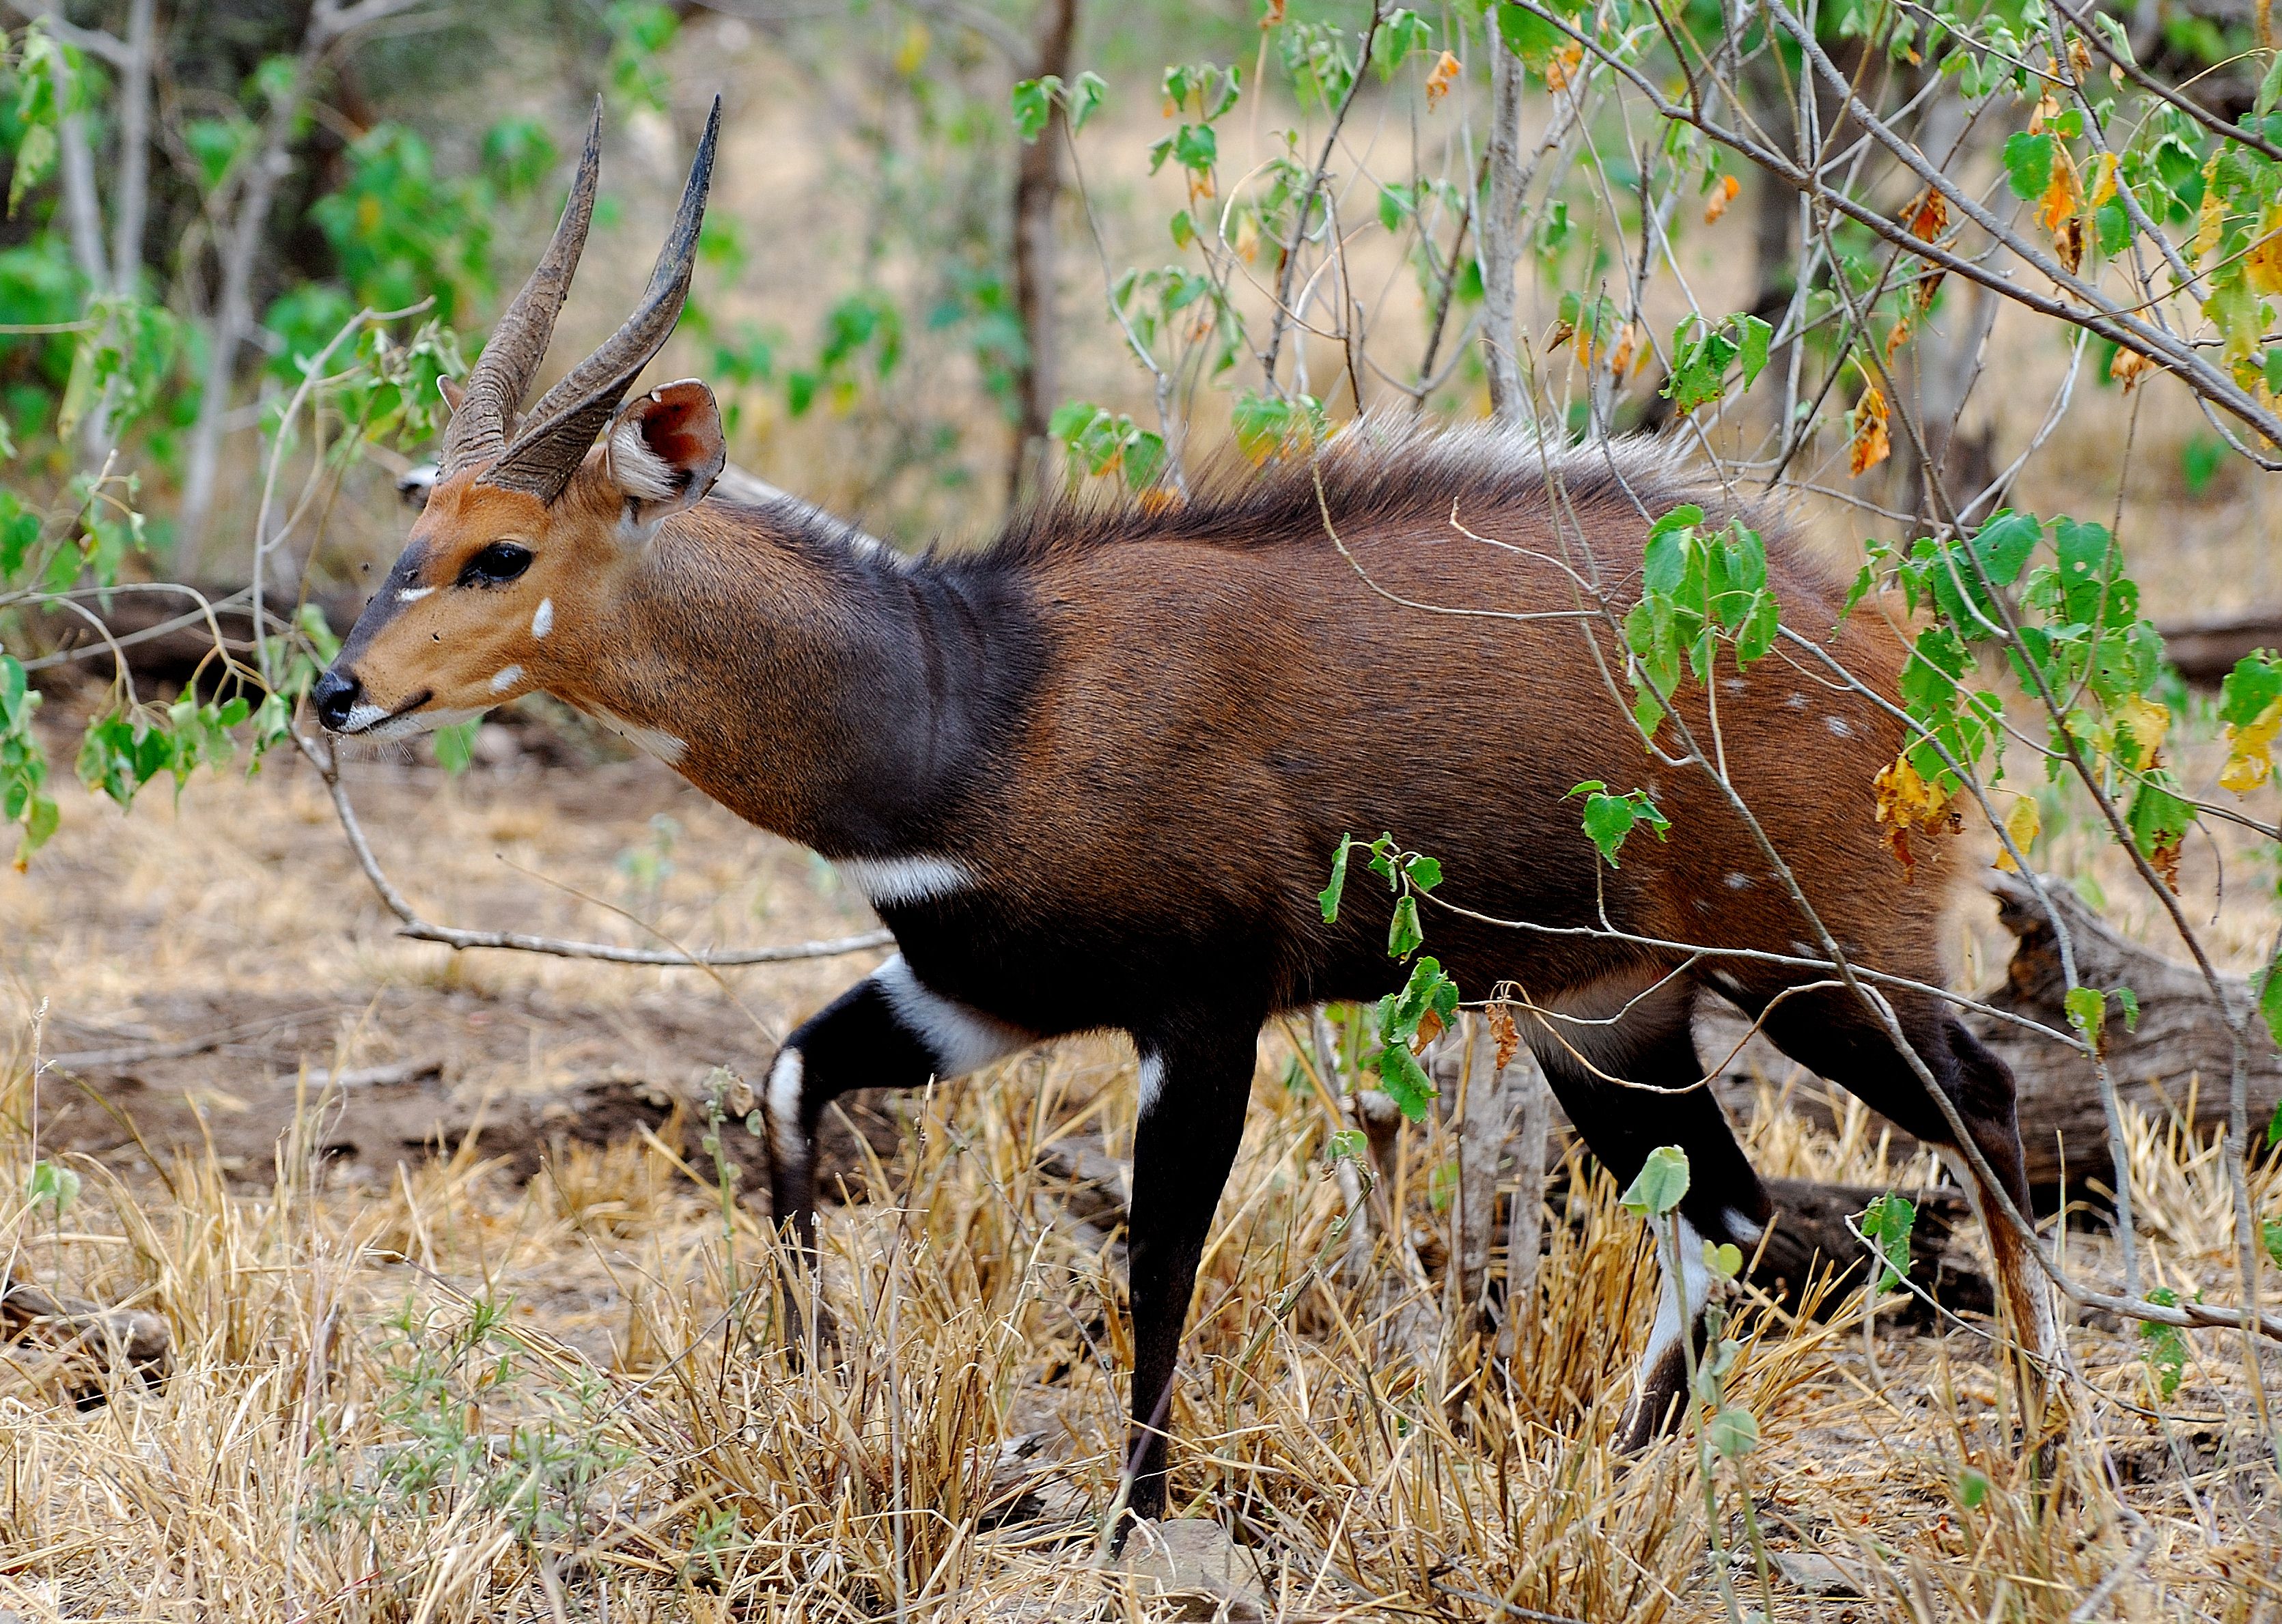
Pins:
<point x="887" y="881"/>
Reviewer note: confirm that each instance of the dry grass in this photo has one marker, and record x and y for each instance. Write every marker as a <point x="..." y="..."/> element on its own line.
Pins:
<point x="444" y="1397"/>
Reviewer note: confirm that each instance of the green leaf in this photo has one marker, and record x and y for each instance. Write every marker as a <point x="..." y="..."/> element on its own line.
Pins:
<point x="1886" y="1223"/>
<point x="1609" y="819"/>
<point x="2087" y="1012"/>
<point x="2270" y="1231"/>
<point x="1756" y="337"/>
<point x="1972" y="1487"/>
<point x="1034" y="106"/>
<point x="1529" y="37"/>
<point x="1329" y="896"/>
<point x="1083" y="98"/>
<point x="1733" y="1432"/>
<point x="455" y="746"/>
<point x="1422" y="871"/>
<point x="1725" y="1259"/>
<point x="2163" y="1347"/>
<point x="1660" y="1184"/>
<point x="2029" y="164"/>
<point x="1405" y="1081"/>
<point x="1403" y="936"/>
<point x="54" y="1184"/>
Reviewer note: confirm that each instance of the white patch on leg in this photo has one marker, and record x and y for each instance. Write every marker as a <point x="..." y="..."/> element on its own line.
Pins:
<point x="1152" y="1082"/>
<point x="785" y="1081"/>
<point x="1694" y="1287"/>
<point x="506" y="678"/>
<point x="887" y="881"/>
<point x="542" y="620"/>
<point x="1746" y="1228"/>
<point x="961" y="1039"/>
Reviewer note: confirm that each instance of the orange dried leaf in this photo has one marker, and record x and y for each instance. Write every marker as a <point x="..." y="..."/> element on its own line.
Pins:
<point x="1899" y="337"/>
<point x="2060" y="210"/>
<point x="1564" y="67"/>
<point x="1723" y="195"/>
<point x="1440" y="79"/>
<point x="2128" y="368"/>
<point x="1870" y="445"/>
<point x="1929" y="216"/>
<point x="1499" y="1016"/>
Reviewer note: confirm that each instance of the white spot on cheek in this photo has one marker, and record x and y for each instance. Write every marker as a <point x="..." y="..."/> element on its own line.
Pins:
<point x="1840" y="726"/>
<point x="414" y="594"/>
<point x="506" y="679"/>
<point x="543" y="621"/>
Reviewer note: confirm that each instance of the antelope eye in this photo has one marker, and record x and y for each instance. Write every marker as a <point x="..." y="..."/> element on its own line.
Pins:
<point x="496" y="565"/>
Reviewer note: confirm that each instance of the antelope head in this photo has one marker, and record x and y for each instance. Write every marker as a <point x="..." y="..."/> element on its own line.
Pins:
<point x="532" y="523"/>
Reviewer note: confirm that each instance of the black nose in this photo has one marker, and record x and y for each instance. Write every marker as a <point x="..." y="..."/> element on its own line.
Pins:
<point x="335" y="696"/>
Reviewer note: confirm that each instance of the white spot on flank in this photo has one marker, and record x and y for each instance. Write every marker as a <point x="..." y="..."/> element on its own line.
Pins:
<point x="1694" y="1287"/>
<point x="414" y="594"/>
<point x="1739" y="882"/>
<point x="1152" y="1082"/>
<point x="506" y="678"/>
<point x="1840" y="726"/>
<point x="1797" y="701"/>
<point x="960" y="1039"/>
<point x="542" y="622"/>
<point x="1736" y="684"/>
<point x="887" y="881"/>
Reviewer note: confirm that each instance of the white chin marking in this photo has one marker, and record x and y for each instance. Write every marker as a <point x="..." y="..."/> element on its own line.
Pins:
<point x="506" y="678"/>
<point x="889" y="880"/>
<point x="1695" y="1285"/>
<point x="414" y="594"/>
<point x="1152" y="1082"/>
<point x="542" y="619"/>
<point x="960" y="1039"/>
<point x="650" y="740"/>
<point x="362" y="717"/>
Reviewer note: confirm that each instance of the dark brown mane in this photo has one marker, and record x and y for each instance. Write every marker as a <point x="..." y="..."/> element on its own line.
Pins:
<point x="1374" y="473"/>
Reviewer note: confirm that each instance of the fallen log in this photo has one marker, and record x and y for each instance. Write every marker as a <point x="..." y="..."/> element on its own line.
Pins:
<point x="2206" y="649"/>
<point x="2178" y="1062"/>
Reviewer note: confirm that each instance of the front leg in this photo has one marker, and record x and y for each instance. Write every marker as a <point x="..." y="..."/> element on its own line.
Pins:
<point x="887" y="1032"/>
<point x="1193" y="1090"/>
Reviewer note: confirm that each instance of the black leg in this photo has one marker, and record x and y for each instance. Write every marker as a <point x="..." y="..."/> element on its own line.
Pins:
<point x="1193" y="1090"/>
<point x="886" y="1032"/>
<point x="1652" y="1044"/>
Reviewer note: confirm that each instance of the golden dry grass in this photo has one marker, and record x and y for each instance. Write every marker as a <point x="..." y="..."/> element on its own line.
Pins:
<point x="431" y="1395"/>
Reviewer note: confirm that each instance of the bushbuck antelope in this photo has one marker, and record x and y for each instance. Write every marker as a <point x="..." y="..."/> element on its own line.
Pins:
<point x="1093" y="776"/>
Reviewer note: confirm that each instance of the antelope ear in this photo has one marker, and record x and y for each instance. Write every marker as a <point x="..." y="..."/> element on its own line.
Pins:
<point x="452" y="393"/>
<point x="665" y="450"/>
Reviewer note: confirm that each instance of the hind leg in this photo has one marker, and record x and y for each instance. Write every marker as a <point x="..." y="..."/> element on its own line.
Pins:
<point x="1832" y="1034"/>
<point x="1651" y="1044"/>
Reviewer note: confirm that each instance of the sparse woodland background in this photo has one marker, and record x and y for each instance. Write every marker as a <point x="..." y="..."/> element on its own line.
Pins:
<point x="1982" y="297"/>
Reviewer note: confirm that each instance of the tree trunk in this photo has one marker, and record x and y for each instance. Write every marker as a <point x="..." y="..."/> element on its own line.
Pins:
<point x="1500" y="223"/>
<point x="1038" y="189"/>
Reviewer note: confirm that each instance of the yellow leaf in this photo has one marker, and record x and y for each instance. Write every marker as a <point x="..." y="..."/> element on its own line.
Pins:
<point x="2103" y="183"/>
<point x="1445" y="75"/>
<point x="1870" y="445"/>
<point x="2211" y="222"/>
<point x="914" y="51"/>
<point x="2138" y="728"/>
<point x="2262" y="265"/>
<point x="2023" y="824"/>
<point x="2250" y="751"/>
<point x="1906" y="801"/>
<point x="1723" y="195"/>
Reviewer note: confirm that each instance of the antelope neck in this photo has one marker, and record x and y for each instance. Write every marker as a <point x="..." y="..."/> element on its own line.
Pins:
<point x="855" y="702"/>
